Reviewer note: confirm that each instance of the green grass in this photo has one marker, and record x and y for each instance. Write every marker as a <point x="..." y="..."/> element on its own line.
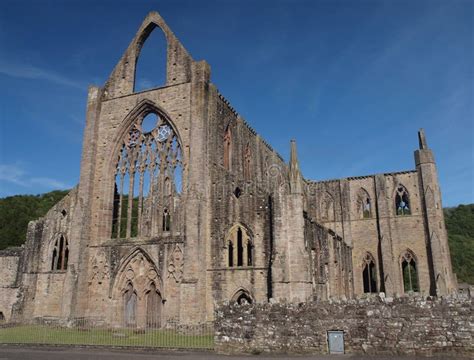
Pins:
<point x="37" y="334"/>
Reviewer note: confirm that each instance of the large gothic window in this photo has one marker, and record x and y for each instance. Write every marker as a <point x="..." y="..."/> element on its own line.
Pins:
<point x="402" y="201"/>
<point x="60" y="254"/>
<point x="148" y="178"/>
<point x="239" y="247"/>
<point x="228" y="149"/>
<point x="409" y="272"/>
<point x="369" y="274"/>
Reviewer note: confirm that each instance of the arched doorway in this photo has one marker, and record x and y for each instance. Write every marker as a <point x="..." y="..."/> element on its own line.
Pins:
<point x="130" y="306"/>
<point x="154" y="304"/>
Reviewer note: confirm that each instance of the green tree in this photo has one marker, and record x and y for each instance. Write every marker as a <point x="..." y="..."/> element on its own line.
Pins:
<point x="460" y="226"/>
<point x="16" y="211"/>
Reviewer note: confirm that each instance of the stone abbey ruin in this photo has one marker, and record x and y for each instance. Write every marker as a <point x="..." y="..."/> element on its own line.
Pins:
<point x="169" y="220"/>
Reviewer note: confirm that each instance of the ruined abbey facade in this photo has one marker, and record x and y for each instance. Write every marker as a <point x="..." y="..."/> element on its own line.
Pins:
<point x="181" y="205"/>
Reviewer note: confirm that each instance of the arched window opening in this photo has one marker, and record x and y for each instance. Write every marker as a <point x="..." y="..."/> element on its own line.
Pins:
<point x="327" y="207"/>
<point x="130" y="306"/>
<point x="2" y="317"/>
<point x="240" y="248"/>
<point x="364" y="205"/>
<point x="154" y="304"/>
<point x="147" y="177"/>
<point x="150" y="71"/>
<point x="166" y="220"/>
<point x="55" y="258"/>
<point x="249" y="254"/>
<point x="410" y="274"/>
<point x="247" y="162"/>
<point x="60" y="254"/>
<point x="228" y="149"/>
<point x="402" y="202"/>
<point x="369" y="274"/>
<point x="237" y="192"/>
<point x="244" y="299"/>
<point x="231" y="254"/>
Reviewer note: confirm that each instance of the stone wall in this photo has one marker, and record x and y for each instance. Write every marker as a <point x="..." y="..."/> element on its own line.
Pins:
<point x="9" y="260"/>
<point x="422" y="326"/>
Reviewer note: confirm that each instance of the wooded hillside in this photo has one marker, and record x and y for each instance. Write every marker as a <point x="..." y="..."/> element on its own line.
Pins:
<point x="17" y="211"/>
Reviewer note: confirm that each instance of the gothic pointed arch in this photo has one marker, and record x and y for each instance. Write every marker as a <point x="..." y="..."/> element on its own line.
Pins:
<point x="137" y="269"/>
<point x="59" y="252"/>
<point x="151" y="63"/>
<point x="240" y="246"/>
<point x="364" y="204"/>
<point x="430" y="198"/>
<point x="242" y="297"/>
<point x="148" y="166"/>
<point x="327" y="207"/>
<point x="409" y="271"/>
<point x="369" y="273"/>
<point x="402" y="201"/>
<point x="122" y="80"/>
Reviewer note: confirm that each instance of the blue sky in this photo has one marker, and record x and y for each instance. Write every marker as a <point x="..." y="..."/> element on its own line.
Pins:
<point x="351" y="81"/>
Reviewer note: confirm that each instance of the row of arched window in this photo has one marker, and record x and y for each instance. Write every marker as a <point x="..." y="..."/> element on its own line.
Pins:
<point x="408" y="268"/>
<point x="364" y="204"/>
<point x="228" y="147"/>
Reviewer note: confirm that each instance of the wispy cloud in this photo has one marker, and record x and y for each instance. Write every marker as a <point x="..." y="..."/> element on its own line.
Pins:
<point x="144" y="83"/>
<point x="27" y="71"/>
<point x="15" y="174"/>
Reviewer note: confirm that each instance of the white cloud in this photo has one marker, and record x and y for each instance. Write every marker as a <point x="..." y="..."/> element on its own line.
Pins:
<point x="17" y="175"/>
<point x="26" y="71"/>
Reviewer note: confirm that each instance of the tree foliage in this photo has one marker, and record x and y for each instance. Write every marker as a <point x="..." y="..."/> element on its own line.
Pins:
<point x="16" y="211"/>
<point x="460" y="226"/>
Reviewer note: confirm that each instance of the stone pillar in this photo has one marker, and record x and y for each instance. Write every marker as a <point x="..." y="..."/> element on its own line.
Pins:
<point x="441" y="273"/>
<point x="80" y="225"/>
<point x="389" y="269"/>
<point x="193" y="285"/>
<point x="298" y="256"/>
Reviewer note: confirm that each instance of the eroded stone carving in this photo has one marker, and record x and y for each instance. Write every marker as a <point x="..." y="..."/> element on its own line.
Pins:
<point x="100" y="268"/>
<point x="176" y="262"/>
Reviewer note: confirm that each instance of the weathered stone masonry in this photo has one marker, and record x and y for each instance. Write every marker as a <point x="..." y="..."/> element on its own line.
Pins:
<point x="199" y="209"/>
<point x="374" y="326"/>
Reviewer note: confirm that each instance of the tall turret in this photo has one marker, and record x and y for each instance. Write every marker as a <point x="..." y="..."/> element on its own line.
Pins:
<point x="296" y="186"/>
<point x="441" y="274"/>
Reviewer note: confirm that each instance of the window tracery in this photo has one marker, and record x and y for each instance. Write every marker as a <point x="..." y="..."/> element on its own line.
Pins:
<point x="239" y="247"/>
<point x="402" y="201"/>
<point x="60" y="255"/>
<point x="148" y="178"/>
<point x="369" y="274"/>
<point x="409" y="272"/>
<point x="327" y="207"/>
<point x="364" y="204"/>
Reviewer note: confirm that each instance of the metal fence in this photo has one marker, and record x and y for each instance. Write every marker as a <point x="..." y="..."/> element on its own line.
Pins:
<point x="92" y="333"/>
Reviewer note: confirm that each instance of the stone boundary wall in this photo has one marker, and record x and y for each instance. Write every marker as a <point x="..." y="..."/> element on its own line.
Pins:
<point x="421" y="326"/>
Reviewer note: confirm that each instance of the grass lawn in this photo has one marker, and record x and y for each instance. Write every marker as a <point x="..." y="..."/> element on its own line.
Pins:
<point x="37" y="334"/>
